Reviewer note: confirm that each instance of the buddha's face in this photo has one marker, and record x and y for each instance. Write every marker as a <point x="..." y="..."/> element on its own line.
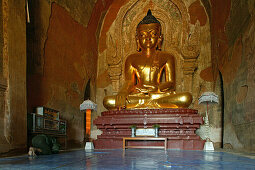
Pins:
<point x="148" y="35"/>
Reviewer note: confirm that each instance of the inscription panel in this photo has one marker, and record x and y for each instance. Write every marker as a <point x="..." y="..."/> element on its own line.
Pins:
<point x="145" y="132"/>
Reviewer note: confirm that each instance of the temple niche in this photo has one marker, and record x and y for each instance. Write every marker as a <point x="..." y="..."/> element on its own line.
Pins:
<point x="189" y="43"/>
<point x="180" y="38"/>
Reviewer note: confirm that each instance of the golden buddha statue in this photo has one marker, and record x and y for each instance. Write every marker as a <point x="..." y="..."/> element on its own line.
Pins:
<point x="149" y="74"/>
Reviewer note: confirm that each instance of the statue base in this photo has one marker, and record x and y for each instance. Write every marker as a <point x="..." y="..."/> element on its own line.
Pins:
<point x="208" y="146"/>
<point x="89" y="146"/>
<point x="177" y="125"/>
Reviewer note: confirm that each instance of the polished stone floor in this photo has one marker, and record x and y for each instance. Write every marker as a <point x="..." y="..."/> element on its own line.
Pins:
<point x="131" y="159"/>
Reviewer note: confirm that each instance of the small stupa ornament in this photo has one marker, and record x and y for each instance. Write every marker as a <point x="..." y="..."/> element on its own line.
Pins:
<point x="87" y="106"/>
<point x="208" y="98"/>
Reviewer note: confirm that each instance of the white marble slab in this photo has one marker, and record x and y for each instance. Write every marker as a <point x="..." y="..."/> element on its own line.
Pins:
<point x="145" y="132"/>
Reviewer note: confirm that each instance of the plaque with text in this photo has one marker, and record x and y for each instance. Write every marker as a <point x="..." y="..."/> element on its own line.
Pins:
<point x="145" y="132"/>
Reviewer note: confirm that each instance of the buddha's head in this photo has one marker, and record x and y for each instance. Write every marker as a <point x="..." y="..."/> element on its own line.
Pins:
<point x="148" y="33"/>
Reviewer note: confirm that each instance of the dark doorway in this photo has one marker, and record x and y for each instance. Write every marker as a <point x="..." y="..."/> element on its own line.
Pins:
<point x="222" y="108"/>
<point x="87" y="91"/>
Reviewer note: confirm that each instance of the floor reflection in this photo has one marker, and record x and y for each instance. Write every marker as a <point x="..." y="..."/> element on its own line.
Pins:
<point x="131" y="159"/>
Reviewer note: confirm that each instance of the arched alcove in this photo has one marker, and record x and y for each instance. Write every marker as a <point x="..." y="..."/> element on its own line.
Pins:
<point x="87" y="91"/>
<point x="180" y="38"/>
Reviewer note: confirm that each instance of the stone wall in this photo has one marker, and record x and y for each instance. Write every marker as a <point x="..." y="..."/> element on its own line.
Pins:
<point x="13" y="107"/>
<point x="62" y="58"/>
<point x="233" y="52"/>
<point x="1" y="38"/>
<point x="68" y="44"/>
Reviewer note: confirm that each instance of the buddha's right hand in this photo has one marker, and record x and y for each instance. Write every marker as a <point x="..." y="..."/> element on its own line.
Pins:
<point x="120" y="100"/>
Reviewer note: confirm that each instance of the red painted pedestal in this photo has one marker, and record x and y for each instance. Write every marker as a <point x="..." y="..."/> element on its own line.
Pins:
<point x="178" y="125"/>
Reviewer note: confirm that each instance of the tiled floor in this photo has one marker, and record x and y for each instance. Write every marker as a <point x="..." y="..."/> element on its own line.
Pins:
<point x="131" y="159"/>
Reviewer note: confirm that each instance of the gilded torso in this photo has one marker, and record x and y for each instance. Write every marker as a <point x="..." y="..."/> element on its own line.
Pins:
<point x="148" y="70"/>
